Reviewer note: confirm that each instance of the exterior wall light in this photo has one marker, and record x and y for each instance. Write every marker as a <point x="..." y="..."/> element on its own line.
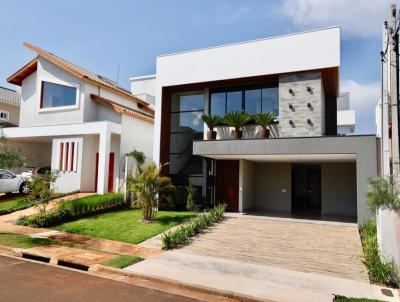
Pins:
<point x="291" y="106"/>
<point x="309" y="89"/>
<point x="309" y="105"/>
<point x="291" y="123"/>
<point x="291" y="91"/>
<point x="309" y="122"/>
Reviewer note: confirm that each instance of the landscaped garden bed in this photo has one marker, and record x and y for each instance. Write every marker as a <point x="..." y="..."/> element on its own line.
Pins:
<point x="70" y="210"/>
<point x="184" y="234"/>
<point x="124" y="225"/>
<point x="13" y="203"/>
<point x="380" y="271"/>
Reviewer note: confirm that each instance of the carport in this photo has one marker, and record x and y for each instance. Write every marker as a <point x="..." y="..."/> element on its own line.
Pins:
<point x="325" y="177"/>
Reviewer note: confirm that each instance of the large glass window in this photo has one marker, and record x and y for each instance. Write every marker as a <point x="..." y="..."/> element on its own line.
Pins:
<point x="252" y="100"/>
<point x="233" y="101"/>
<point x="270" y="100"/>
<point x="218" y="103"/>
<point x="56" y="95"/>
<point x="186" y="125"/>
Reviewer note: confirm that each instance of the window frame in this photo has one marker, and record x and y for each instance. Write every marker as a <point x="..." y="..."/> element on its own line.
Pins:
<point x="7" y="118"/>
<point x="243" y="89"/>
<point x="57" y="82"/>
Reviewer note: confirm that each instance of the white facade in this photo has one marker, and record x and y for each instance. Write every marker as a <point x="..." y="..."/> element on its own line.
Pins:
<point x="87" y="141"/>
<point x="346" y="118"/>
<point x="310" y="50"/>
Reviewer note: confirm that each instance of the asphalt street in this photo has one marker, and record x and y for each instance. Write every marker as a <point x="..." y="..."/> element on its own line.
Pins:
<point x="27" y="281"/>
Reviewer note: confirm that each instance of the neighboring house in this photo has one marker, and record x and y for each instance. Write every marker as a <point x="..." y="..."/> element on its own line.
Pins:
<point x="9" y="107"/>
<point x="79" y="123"/>
<point x="305" y="168"/>
<point x="144" y="87"/>
<point x="346" y="118"/>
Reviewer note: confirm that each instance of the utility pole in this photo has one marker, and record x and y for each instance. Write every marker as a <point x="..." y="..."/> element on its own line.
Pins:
<point x="387" y="220"/>
<point x="385" y="142"/>
<point x="393" y="59"/>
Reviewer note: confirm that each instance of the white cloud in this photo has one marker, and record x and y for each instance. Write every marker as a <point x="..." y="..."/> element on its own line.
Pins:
<point x="358" y="18"/>
<point x="363" y="99"/>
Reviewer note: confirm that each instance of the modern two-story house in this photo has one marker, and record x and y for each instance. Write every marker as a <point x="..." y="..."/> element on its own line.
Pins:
<point x="79" y="123"/>
<point x="305" y="168"/>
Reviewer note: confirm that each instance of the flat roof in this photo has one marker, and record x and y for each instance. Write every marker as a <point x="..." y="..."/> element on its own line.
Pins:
<point x="144" y="77"/>
<point x="249" y="41"/>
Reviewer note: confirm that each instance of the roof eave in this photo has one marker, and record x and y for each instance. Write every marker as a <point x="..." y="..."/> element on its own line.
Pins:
<point x="23" y="72"/>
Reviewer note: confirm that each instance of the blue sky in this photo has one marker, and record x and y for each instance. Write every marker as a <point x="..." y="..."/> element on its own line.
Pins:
<point x="100" y="35"/>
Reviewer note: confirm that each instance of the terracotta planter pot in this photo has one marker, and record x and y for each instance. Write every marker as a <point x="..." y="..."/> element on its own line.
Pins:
<point x="264" y="133"/>
<point x="236" y="134"/>
<point x="211" y="135"/>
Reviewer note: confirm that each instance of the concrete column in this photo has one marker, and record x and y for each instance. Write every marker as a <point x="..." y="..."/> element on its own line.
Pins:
<point x="104" y="159"/>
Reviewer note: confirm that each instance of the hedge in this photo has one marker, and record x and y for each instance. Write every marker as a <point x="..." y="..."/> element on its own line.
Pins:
<point x="183" y="234"/>
<point x="69" y="210"/>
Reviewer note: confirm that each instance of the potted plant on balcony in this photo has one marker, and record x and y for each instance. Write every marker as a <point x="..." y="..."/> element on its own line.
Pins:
<point x="211" y="121"/>
<point x="264" y="119"/>
<point x="237" y="119"/>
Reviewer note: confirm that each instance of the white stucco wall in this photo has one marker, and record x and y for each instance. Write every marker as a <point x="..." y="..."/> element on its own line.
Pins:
<point x="89" y="149"/>
<point x="31" y="114"/>
<point x="68" y="181"/>
<point x="136" y="135"/>
<point x="144" y="87"/>
<point x="388" y="226"/>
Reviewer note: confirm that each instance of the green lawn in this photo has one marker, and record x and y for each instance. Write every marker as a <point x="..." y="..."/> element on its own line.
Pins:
<point x="12" y="203"/>
<point x="122" y="261"/>
<point x="345" y="299"/>
<point x="124" y="225"/>
<point x="22" y="241"/>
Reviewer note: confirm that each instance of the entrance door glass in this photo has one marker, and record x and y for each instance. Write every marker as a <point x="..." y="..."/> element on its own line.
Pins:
<point x="306" y="188"/>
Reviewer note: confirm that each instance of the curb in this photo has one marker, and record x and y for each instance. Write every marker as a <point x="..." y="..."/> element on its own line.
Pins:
<point x="208" y="290"/>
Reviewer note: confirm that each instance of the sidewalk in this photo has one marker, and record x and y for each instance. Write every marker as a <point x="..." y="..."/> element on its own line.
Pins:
<point x="253" y="280"/>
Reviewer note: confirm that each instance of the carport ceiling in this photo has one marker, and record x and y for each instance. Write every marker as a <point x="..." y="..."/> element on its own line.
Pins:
<point x="37" y="139"/>
<point x="291" y="157"/>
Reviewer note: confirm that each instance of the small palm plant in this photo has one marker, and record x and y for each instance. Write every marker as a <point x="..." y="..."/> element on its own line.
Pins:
<point x="211" y="121"/>
<point x="237" y="119"/>
<point x="149" y="189"/>
<point x="264" y="119"/>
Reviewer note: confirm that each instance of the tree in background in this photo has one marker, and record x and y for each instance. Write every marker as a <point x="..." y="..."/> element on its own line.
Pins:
<point x="10" y="157"/>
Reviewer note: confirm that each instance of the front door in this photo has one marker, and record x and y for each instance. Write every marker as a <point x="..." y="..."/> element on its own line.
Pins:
<point x="227" y="184"/>
<point x="306" y="189"/>
<point x="110" y="182"/>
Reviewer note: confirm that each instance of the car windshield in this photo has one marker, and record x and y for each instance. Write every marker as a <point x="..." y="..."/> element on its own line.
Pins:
<point x="5" y="174"/>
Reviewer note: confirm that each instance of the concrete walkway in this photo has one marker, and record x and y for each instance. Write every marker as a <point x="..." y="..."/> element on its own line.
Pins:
<point x="33" y="210"/>
<point x="254" y="280"/>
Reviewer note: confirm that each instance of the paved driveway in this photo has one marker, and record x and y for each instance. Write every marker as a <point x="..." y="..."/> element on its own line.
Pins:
<point x="308" y="246"/>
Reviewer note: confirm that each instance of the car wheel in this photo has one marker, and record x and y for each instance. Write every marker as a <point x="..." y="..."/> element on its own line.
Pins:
<point x="24" y="189"/>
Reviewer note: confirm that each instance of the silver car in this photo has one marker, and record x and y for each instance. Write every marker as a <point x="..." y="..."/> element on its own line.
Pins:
<point x="10" y="182"/>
